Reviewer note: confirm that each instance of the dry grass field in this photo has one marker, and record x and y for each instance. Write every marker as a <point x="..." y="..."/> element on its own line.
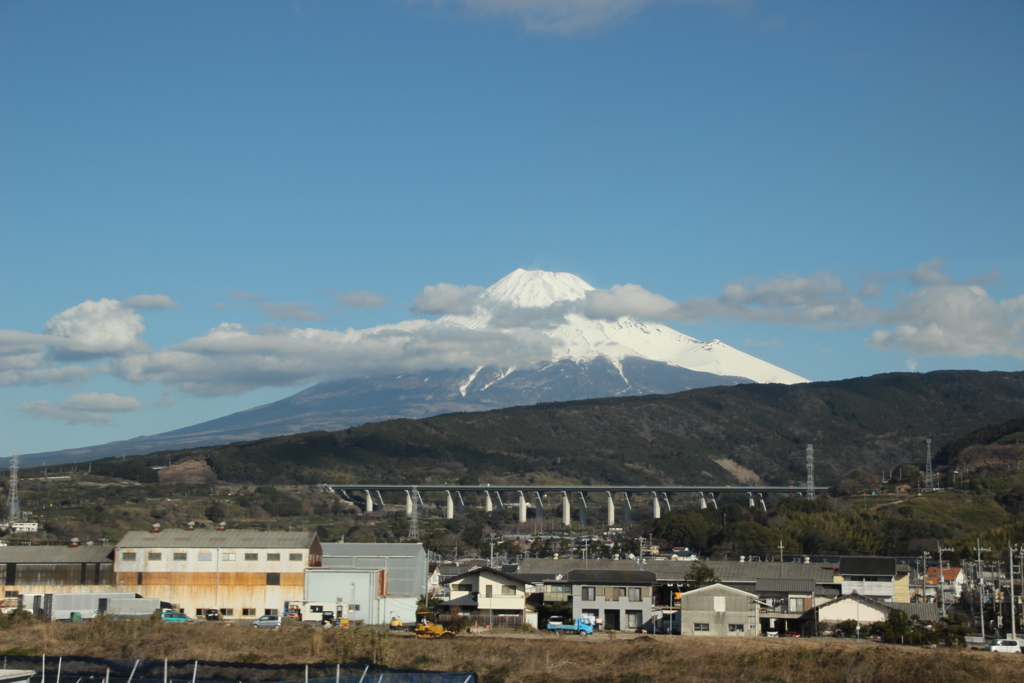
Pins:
<point x="515" y="658"/>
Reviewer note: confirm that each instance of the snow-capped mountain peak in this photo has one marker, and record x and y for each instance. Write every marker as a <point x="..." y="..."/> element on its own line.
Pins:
<point x="552" y="304"/>
<point x="535" y="289"/>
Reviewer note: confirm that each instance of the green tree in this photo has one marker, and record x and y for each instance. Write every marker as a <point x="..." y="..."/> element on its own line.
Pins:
<point x="700" y="575"/>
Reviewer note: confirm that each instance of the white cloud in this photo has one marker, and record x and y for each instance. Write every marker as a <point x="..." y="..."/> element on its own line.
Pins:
<point x="232" y="359"/>
<point x="628" y="300"/>
<point x="366" y="300"/>
<point x="82" y="408"/>
<point x="446" y="299"/>
<point x="954" y="320"/>
<point x="153" y="301"/>
<point x="95" y="329"/>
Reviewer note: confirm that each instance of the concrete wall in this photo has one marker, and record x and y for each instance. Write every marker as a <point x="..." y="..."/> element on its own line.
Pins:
<point x="845" y="610"/>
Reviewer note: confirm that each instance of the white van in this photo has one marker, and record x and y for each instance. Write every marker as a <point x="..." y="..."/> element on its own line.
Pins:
<point x="1008" y="645"/>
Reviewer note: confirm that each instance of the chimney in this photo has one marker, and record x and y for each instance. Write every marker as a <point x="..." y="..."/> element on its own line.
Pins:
<point x="74" y="542"/>
<point x="190" y="526"/>
<point x="222" y="525"/>
<point x="156" y="528"/>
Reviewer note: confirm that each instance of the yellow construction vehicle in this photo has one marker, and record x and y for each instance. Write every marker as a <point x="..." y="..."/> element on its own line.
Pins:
<point x="429" y="630"/>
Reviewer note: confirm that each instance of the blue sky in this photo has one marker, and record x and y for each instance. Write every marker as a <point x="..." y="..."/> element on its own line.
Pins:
<point x="832" y="187"/>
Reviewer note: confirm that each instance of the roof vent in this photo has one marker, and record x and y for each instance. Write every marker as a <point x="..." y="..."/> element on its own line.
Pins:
<point x="156" y="528"/>
<point x="222" y="525"/>
<point x="89" y="543"/>
<point x="74" y="542"/>
<point x="190" y="526"/>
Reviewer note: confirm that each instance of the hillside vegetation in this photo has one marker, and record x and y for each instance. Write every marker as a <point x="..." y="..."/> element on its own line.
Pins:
<point x="694" y="437"/>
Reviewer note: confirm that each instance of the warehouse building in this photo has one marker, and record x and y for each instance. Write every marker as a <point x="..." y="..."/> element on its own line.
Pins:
<point x="240" y="572"/>
<point x="31" y="573"/>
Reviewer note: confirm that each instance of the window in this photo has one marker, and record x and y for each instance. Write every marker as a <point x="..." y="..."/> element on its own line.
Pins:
<point x="11" y="594"/>
<point x="251" y="557"/>
<point x="735" y="628"/>
<point x="588" y="593"/>
<point x="633" y="619"/>
<point x="295" y="557"/>
<point x="273" y="578"/>
<point x="273" y="557"/>
<point x="180" y="556"/>
<point x="316" y="609"/>
<point x="228" y="557"/>
<point x="270" y="612"/>
<point x="508" y="590"/>
<point x="128" y="557"/>
<point x="465" y="587"/>
<point x="489" y="590"/>
<point x="206" y="556"/>
<point x="154" y="556"/>
<point x="227" y="611"/>
<point x="558" y="588"/>
<point x="634" y="594"/>
<point x="354" y="608"/>
<point x="701" y="627"/>
<point x="248" y="611"/>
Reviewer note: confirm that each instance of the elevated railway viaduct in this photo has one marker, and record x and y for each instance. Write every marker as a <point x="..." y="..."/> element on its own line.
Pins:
<point x="517" y="495"/>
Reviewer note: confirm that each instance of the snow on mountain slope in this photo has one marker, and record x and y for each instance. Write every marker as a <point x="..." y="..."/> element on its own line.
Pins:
<point x="551" y="303"/>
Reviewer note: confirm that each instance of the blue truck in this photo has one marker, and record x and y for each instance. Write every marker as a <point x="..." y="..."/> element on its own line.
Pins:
<point x="583" y="626"/>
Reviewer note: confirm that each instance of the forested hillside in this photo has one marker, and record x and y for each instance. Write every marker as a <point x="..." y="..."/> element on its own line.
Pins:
<point x="745" y="433"/>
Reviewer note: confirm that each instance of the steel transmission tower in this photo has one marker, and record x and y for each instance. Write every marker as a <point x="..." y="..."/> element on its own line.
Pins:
<point x="13" y="506"/>
<point x="928" y="483"/>
<point x="810" y="472"/>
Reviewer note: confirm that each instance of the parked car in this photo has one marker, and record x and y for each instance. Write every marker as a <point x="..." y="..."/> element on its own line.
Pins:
<point x="268" y="621"/>
<point x="175" y="617"/>
<point x="213" y="615"/>
<point x="1006" y="645"/>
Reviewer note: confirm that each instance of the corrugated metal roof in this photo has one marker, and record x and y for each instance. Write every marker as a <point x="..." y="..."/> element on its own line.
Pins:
<point x="211" y="538"/>
<point x="727" y="572"/>
<point x="372" y="549"/>
<point x="867" y="566"/>
<point x="611" y="576"/>
<point x="55" y="554"/>
<point x="925" y="611"/>
<point x="800" y="586"/>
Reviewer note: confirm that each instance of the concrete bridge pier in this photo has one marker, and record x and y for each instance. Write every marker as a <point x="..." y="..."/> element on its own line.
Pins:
<point x="668" y="506"/>
<point x="488" y="505"/>
<point x="540" y="505"/>
<point x="760" y="500"/>
<point x="408" y="504"/>
<point x="369" y="501"/>
<point x="449" y="506"/>
<point x="714" y="501"/>
<point x="501" y="505"/>
<point x="460" y="506"/>
<point x="611" y="508"/>
<point x="566" y="512"/>
<point x="750" y="501"/>
<point x="380" y="499"/>
<point x="627" y="511"/>
<point x="583" y="509"/>
<point x="522" y="507"/>
<point x="657" y="505"/>
<point x="703" y="502"/>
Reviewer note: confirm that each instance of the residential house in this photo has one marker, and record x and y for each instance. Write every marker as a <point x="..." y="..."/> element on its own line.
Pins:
<point x="866" y="611"/>
<point x="871" y="577"/>
<point x="953" y="580"/>
<point x="489" y="597"/>
<point x="618" y="600"/>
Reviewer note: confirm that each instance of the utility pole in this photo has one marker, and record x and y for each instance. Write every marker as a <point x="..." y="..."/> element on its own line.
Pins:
<point x="929" y="484"/>
<point x="981" y="587"/>
<point x="1013" y="613"/>
<point x="942" y="592"/>
<point x="924" y="570"/>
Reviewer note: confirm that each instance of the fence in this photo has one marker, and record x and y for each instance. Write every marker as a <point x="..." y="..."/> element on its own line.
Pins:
<point x="96" y="670"/>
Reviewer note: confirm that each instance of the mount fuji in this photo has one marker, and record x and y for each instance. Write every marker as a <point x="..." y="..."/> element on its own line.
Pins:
<point x="577" y="357"/>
